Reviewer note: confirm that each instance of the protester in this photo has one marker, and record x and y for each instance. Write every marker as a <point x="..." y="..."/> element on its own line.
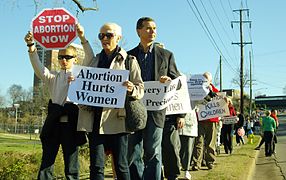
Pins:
<point x="206" y="140"/>
<point x="157" y="64"/>
<point x="274" y="116"/>
<point x="171" y="146"/>
<point x="106" y="126"/>
<point x="61" y="122"/>
<point x="268" y="126"/>
<point x="239" y="130"/>
<point x="227" y="129"/>
<point x="187" y="138"/>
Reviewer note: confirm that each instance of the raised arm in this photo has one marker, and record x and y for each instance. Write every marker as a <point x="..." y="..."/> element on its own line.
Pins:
<point x="89" y="55"/>
<point x="39" y="69"/>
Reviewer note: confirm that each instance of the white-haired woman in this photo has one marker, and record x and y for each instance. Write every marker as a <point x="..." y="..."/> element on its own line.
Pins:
<point x="106" y="126"/>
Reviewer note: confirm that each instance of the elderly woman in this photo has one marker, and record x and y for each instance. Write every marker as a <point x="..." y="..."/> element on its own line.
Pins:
<point x="106" y="126"/>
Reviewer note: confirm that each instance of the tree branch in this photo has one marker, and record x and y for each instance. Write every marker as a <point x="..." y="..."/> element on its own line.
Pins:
<point x="84" y="8"/>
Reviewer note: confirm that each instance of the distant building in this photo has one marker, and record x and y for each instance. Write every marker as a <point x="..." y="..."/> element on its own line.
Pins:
<point x="233" y="93"/>
<point x="271" y="102"/>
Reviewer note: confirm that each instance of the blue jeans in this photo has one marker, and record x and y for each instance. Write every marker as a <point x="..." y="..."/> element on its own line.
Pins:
<point x="70" y="153"/>
<point x="118" y="144"/>
<point x="150" y="138"/>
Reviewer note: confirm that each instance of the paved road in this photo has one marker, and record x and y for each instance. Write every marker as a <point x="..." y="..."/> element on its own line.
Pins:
<point x="274" y="167"/>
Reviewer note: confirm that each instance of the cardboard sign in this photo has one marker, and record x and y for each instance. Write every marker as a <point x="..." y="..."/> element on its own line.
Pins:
<point x="98" y="87"/>
<point x="54" y="28"/>
<point x="158" y="96"/>
<point x="230" y="120"/>
<point x="198" y="87"/>
<point x="181" y="103"/>
<point x="217" y="107"/>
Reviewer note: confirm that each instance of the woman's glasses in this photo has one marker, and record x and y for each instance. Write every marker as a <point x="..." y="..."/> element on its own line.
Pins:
<point x="108" y="35"/>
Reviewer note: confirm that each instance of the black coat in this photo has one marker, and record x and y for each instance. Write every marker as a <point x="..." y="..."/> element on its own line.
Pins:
<point x="164" y="66"/>
<point x="51" y="128"/>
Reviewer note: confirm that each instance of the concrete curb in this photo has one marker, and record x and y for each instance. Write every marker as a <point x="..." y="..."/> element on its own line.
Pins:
<point x="253" y="164"/>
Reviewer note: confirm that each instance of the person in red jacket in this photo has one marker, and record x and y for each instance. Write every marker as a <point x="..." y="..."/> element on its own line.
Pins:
<point x="274" y="116"/>
<point x="207" y="135"/>
<point x="227" y="129"/>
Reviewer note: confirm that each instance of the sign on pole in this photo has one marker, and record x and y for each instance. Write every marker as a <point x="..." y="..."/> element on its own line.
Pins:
<point x="54" y="28"/>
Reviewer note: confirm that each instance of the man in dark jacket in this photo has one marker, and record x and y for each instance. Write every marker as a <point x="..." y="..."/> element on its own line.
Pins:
<point x="157" y="64"/>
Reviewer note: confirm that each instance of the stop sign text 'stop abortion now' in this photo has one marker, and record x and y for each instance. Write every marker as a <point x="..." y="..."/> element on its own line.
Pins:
<point x="54" y="28"/>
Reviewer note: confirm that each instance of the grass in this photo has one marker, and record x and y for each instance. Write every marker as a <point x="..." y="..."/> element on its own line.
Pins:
<point x="20" y="159"/>
<point x="19" y="143"/>
<point x="230" y="167"/>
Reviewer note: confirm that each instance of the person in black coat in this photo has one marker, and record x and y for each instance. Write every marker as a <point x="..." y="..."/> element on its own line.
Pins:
<point x="157" y="64"/>
<point x="237" y="126"/>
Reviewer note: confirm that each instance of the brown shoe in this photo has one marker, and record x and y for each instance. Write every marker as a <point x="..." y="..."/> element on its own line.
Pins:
<point x="210" y="166"/>
<point x="195" y="168"/>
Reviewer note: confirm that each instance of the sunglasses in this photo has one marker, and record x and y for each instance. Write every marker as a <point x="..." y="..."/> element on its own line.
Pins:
<point x="108" y="35"/>
<point x="66" y="57"/>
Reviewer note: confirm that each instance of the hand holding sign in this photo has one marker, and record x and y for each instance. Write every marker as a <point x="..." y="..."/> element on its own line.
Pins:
<point x="164" y="79"/>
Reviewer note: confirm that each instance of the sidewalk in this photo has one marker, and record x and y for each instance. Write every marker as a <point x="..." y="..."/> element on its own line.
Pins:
<point x="273" y="167"/>
<point x="267" y="167"/>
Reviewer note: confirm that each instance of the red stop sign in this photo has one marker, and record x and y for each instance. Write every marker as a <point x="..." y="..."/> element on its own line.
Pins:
<point x="54" y="28"/>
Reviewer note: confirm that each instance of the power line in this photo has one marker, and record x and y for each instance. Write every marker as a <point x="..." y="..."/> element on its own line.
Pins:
<point x="233" y="60"/>
<point x="207" y="31"/>
<point x="262" y="82"/>
<point x="241" y="44"/>
<point x="216" y="30"/>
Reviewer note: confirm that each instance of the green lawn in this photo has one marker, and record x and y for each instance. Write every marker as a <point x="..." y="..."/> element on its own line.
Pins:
<point x="20" y="159"/>
<point x="19" y="143"/>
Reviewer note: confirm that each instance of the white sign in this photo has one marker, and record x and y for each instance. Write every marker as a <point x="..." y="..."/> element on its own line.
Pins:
<point x="217" y="107"/>
<point x="229" y="120"/>
<point x="158" y="96"/>
<point x="198" y="87"/>
<point x="181" y="103"/>
<point x="98" y="87"/>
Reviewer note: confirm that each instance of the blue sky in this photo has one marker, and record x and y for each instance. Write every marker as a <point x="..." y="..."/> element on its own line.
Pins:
<point x="178" y="29"/>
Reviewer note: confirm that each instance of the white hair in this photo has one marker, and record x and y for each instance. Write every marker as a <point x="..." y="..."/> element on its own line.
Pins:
<point x="115" y="27"/>
<point x="208" y="75"/>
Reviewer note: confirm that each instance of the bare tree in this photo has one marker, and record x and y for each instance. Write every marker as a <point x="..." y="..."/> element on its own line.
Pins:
<point x="245" y="77"/>
<point x="2" y="101"/>
<point x="39" y="3"/>
<point x="82" y="8"/>
<point x="284" y="90"/>
<point x="16" y="93"/>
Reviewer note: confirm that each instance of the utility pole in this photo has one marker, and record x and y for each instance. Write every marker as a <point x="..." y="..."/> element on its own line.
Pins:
<point x="250" y="85"/>
<point x="241" y="44"/>
<point x="220" y="73"/>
